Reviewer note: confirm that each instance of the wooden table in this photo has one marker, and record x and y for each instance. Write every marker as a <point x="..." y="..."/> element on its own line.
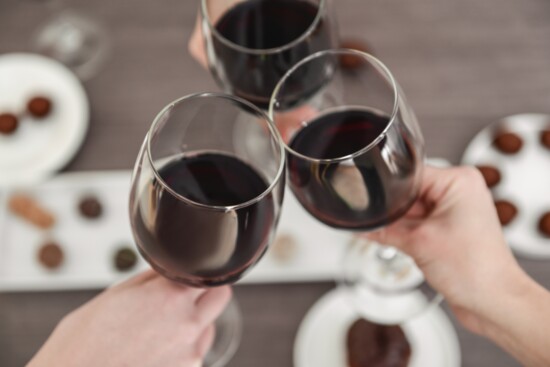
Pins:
<point x="462" y="64"/>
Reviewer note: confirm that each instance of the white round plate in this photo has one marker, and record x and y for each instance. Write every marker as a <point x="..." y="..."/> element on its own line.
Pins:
<point x="321" y="339"/>
<point x="525" y="179"/>
<point x="39" y="148"/>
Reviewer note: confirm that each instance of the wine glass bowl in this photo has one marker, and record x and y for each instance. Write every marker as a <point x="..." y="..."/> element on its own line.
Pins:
<point x="251" y="44"/>
<point x="207" y="189"/>
<point x="75" y="40"/>
<point x="355" y="158"/>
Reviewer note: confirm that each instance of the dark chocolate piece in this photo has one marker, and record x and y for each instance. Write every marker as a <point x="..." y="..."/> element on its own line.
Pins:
<point x="506" y="211"/>
<point x="125" y="259"/>
<point x="351" y="62"/>
<point x="545" y="138"/>
<point x="490" y="174"/>
<point x="371" y="345"/>
<point x="508" y="143"/>
<point x="39" y="107"/>
<point x="544" y="224"/>
<point x="8" y="123"/>
<point x="51" y="255"/>
<point x="90" y="207"/>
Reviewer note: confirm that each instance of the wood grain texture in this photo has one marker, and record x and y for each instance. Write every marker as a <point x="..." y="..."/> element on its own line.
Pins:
<point x="463" y="64"/>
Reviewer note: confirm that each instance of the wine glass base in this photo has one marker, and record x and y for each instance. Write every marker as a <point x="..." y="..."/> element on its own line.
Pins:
<point x="77" y="42"/>
<point x="228" y="337"/>
<point x="383" y="284"/>
<point x="321" y="337"/>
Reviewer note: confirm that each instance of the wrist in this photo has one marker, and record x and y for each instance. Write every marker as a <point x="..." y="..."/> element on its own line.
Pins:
<point x="510" y="299"/>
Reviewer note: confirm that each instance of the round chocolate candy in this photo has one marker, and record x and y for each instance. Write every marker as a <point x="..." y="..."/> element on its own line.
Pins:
<point x="490" y="174"/>
<point x="125" y="259"/>
<point x="8" y="123"/>
<point x="51" y="255"/>
<point x="90" y="207"/>
<point x="545" y="138"/>
<point x="544" y="224"/>
<point x="39" y="107"/>
<point x="506" y="211"/>
<point x="353" y="62"/>
<point x="508" y="143"/>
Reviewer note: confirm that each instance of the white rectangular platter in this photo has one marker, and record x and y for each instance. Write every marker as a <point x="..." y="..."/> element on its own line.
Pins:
<point x="90" y="245"/>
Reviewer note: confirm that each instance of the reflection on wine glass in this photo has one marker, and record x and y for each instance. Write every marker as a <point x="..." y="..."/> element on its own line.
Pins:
<point x="251" y="44"/>
<point x="206" y="195"/>
<point x="75" y="40"/>
<point x="355" y="162"/>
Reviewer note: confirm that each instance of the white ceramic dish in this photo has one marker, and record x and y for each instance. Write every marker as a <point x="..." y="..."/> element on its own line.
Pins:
<point x="525" y="179"/>
<point x="39" y="148"/>
<point x="321" y="338"/>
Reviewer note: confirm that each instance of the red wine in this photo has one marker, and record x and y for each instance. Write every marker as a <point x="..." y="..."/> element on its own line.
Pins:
<point x="264" y="25"/>
<point x="361" y="193"/>
<point x="198" y="245"/>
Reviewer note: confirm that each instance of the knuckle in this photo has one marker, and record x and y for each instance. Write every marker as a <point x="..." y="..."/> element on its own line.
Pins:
<point x="470" y="175"/>
<point x="191" y="331"/>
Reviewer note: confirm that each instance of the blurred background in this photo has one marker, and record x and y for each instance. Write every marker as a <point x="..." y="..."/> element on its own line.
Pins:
<point x="463" y="65"/>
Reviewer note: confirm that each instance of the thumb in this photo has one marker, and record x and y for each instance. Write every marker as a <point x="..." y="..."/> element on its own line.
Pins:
<point x="396" y="235"/>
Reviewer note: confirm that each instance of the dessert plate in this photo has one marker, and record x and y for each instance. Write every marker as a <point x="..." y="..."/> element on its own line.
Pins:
<point x="39" y="148"/>
<point x="321" y="338"/>
<point x="525" y="179"/>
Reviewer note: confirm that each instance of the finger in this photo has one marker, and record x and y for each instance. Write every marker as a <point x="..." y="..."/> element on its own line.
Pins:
<point x="140" y="278"/>
<point x="436" y="183"/>
<point x="212" y="303"/>
<point x="205" y="341"/>
<point x="196" y="43"/>
<point x="191" y="294"/>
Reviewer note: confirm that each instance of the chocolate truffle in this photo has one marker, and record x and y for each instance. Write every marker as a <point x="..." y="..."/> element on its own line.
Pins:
<point x="544" y="224"/>
<point x="506" y="211"/>
<point x="90" y="207"/>
<point x="284" y="248"/>
<point x="8" y="123"/>
<point x="490" y="174"/>
<point x="125" y="259"/>
<point x="351" y="62"/>
<point x="39" y="107"/>
<point x="508" y="143"/>
<point x="545" y="138"/>
<point x="371" y="345"/>
<point x="50" y="255"/>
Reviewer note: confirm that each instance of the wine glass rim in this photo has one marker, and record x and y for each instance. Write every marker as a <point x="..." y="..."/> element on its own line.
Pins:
<point x="339" y="51"/>
<point x="263" y="51"/>
<point x="223" y="208"/>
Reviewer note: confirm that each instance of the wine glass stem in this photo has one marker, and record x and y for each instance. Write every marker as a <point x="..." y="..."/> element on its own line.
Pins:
<point x="387" y="254"/>
<point x="391" y="260"/>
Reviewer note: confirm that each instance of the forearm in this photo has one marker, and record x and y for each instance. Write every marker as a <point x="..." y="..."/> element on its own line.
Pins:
<point x="519" y="322"/>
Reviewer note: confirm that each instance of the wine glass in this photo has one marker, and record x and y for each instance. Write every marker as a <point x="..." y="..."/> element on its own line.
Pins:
<point x="206" y="195"/>
<point x="251" y="44"/>
<point x="355" y="160"/>
<point x="74" y="40"/>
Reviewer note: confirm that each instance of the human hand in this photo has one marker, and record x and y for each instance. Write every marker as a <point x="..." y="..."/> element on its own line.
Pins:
<point x="196" y="45"/>
<point x="454" y="235"/>
<point x="145" y="321"/>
